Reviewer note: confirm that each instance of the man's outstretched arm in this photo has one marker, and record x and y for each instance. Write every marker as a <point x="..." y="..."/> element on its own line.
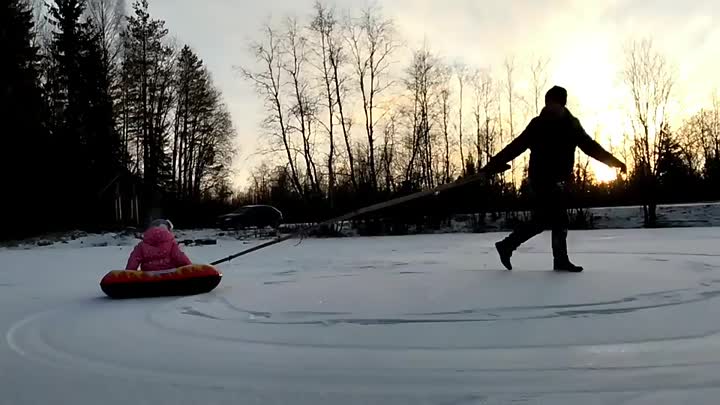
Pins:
<point x="512" y="150"/>
<point x="596" y="151"/>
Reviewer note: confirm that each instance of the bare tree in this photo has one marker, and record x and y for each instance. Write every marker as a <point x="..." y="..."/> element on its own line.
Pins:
<point x="700" y="137"/>
<point x="509" y="66"/>
<point x="423" y="82"/>
<point x="478" y="90"/>
<point x="323" y="27"/>
<point x="498" y="90"/>
<point x="345" y="123"/>
<point x="490" y="98"/>
<point x="650" y="80"/>
<point x="538" y="72"/>
<point x="484" y="107"/>
<point x="268" y="82"/>
<point x="108" y="16"/>
<point x="462" y="74"/>
<point x="388" y="152"/>
<point x="337" y="59"/>
<point x="445" y="111"/>
<point x="711" y="143"/>
<point x="689" y="140"/>
<point x="710" y="131"/>
<point x="261" y="184"/>
<point x="413" y="143"/>
<point x="372" y="43"/>
<point x="304" y="108"/>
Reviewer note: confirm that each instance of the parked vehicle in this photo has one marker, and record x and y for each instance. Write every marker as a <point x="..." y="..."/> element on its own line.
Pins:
<point x="251" y="216"/>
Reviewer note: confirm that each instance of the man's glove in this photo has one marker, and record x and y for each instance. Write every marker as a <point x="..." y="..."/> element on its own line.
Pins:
<point x="495" y="167"/>
<point x="623" y="168"/>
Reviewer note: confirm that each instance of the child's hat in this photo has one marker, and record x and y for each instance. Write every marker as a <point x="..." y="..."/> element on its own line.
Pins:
<point x="161" y="222"/>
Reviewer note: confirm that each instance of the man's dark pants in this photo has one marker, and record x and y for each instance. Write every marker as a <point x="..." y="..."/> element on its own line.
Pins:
<point x="549" y="201"/>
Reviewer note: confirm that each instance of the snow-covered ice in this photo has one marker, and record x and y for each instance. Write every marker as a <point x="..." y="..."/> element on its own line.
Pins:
<point x="427" y="319"/>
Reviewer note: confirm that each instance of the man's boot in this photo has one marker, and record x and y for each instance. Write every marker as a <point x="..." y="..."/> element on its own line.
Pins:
<point x="505" y="253"/>
<point x="564" y="264"/>
<point x="520" y="235"/>
<point x="561" y="261"/>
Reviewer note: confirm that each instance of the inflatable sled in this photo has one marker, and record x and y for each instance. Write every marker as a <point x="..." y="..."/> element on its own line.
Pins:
<point x="187" y="280"/>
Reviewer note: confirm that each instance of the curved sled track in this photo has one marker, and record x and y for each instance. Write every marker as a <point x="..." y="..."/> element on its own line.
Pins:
<point x="383" y="320"/>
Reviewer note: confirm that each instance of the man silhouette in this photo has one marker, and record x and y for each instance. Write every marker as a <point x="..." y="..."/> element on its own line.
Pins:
<point x="552" y="138"/>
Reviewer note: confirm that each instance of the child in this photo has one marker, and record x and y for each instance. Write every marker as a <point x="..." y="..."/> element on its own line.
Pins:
<point x="158" y="250"/>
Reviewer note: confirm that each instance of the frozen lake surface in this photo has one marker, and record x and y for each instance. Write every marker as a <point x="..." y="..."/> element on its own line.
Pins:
<point x="430" y="319"/>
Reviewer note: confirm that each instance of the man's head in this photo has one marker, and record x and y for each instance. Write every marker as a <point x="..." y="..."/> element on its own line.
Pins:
<point x="556" y="99"/>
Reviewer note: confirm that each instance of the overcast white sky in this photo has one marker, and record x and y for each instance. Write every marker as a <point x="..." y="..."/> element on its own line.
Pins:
<point x="583" y="39"/>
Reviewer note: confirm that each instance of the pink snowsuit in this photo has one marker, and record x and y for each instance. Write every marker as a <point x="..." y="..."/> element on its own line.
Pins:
<point x="157" y="251"/>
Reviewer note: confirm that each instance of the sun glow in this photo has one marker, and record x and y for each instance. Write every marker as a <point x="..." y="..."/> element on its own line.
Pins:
<point x="589" y="68"/>
<point x="603" y="174"/>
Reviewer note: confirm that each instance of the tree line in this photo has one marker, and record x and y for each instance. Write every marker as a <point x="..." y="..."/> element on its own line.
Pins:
<point x="106" y="121"/>
<point x="351" y="121"/>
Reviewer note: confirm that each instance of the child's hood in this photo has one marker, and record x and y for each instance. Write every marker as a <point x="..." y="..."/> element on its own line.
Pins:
<point x="157" y="236"/>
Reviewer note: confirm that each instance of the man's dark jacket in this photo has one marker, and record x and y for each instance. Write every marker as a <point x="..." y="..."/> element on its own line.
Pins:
<point x="552" y="141"/>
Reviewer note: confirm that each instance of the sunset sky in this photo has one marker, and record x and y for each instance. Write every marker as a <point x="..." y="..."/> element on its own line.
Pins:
<point x="582" y="38"/>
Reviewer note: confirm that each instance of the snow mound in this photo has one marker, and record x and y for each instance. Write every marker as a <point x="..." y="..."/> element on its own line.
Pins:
<point x="81" y="239"/>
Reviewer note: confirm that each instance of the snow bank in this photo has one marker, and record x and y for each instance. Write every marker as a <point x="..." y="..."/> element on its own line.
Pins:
<point x="80" y="239"/>
<point x="629" y="217"/>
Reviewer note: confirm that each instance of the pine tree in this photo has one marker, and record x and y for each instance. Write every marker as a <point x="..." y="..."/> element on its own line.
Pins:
<point x="103" y="142"/>
<point x="83" y="121"/>
<point x="203" y="129"/>
<point x="23" y="139"/>
<point x="65" y="76"/>
<point x="191" y="87"/>
<point x="676" y="179"/>
<point x="68" y="108"/>
<point x="148" y="79"/>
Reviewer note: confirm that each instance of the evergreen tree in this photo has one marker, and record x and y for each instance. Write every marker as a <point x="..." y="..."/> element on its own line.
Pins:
<point x="203" y="128"/>
<point x="148" y="79"/>
<point x="711" y="177"/>
<point x="191" y="87"/>
<point x="65" y="78"/>
<point x="676" y="179"/>
<point x="84" y="129"/>
<point x="68" y="108"/>
<point x="103" y="143"/>
<point x="148" y="101"/>
<point x="23" y="140"/>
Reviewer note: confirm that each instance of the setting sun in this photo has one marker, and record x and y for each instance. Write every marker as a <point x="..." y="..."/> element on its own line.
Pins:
<point x="590" y="69"/>
<point x="603" y="174"/>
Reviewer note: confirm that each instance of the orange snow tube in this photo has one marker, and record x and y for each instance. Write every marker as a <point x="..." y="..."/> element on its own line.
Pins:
<point x="187" y="280"/>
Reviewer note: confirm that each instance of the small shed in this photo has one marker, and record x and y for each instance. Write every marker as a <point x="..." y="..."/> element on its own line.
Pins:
<point x="121" y="197"/>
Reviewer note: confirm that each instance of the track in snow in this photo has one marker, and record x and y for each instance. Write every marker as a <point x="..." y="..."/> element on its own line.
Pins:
<point x="394" y="320"/>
